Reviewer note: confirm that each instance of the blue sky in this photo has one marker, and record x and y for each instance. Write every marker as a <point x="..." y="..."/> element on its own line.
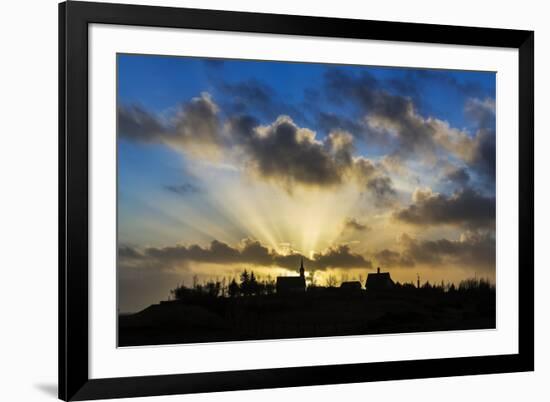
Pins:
<point x="160" y="82"/>
<point x="226" y="151"/>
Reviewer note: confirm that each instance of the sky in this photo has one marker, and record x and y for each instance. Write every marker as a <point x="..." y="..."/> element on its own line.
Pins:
<point x="225" y="165"/>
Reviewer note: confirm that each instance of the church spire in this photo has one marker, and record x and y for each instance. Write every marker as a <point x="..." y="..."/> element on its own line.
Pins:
<point x="302" y="271"/>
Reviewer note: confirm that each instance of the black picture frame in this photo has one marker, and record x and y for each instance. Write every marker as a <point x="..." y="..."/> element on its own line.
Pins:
<point x="74" y="381"/>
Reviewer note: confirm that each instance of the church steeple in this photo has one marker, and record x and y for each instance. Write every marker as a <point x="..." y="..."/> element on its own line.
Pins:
<point x="302" y="271"/>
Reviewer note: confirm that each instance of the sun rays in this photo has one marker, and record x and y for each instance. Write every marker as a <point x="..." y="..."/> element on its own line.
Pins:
<point x="308" y="220"/>
<point x="241" y="170"/>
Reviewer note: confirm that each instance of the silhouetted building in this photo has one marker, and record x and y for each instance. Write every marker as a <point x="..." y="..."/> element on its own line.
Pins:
<point x="352" y="286"/>
<point x="292" y="284"/>
<point x="379" y="281"/>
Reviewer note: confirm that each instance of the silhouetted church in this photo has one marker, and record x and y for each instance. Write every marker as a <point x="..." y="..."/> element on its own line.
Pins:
<point x="292" y="284"/>
<point x="379" y="281"/>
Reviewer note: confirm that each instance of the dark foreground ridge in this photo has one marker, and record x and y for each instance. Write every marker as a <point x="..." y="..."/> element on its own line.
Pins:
<point x="198" y="316"/>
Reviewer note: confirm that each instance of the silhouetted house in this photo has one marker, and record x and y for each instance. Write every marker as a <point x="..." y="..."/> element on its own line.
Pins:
<point x="353" y="286"/>
<point x="379" y="281"/>
<point x="292" y="284"/>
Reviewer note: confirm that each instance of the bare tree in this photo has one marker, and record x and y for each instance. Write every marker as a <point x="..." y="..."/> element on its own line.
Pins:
<point x="331" y="281"/>
<point x="313" y="279"/>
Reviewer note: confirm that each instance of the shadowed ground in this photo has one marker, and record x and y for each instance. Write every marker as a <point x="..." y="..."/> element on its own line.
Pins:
<point x="330" y="312"/>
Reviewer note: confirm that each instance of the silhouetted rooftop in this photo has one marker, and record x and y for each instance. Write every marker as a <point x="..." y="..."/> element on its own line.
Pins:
<point x="379" y="281"/>
<point x="291" y="284"/>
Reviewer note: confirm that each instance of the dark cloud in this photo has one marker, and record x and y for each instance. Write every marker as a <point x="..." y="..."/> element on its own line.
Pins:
<point x="442" y="77"/>
<point x="137" y="124"/>
<point x="128" y="253"/>
<point x="328" y="122"/>
<point x="472" y="250"/>
<point x="285" y="153"/>
<point x="218" y="252"/>
<point x="335" y="257"/>
<point x="483" y="157"/>
<point x="394" y="118"/>
<point x="481" y="112"/>
<point x="364" y="90"/>
<point x="389" y="258"/>
<point x="256" y="253"/>
<point x="194" y="126"/>
<point x="364" y="169"/>
<point x="280" y="152"/>
<point x="340" y="257"/>
<point x="339" y="145"/>
<point x="355" y="87"/>
<point x="466" y="207"/>
<point x="477" y="152"/>
<point x="251" y="252"/>
<point x="354" y="224"/>
<point x="382" y="188"/>
<point x="290" y="155"/>
<point x="182" y="189"/>
<point x="407" y="86"/>
<point x="244" y="94"/>
<point x="256" y="98"/>
<point x="458" y="177"/>
<point x="197" y="123"/>
<point x="386" y="113"/>
<point x="411" y="83"/>
<point x="242" y="128"/>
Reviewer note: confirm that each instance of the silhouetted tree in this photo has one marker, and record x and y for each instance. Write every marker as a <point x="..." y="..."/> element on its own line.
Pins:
<point x="197" y="286"/>
<point x="474" y="284"/>
<point x="331" y="281"/>
<point x="180" y="292"/>
<point x="245" y="283"/>
<point x="252" y="284"/>
<point x="233" y="288"/>
<point x="313" y="279"/>
<point x="269" y="285"/>
<point x="213" y="288"/>
<point x="260" y="288"/>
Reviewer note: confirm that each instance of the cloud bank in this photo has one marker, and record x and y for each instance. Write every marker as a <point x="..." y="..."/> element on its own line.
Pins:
<point x="464" y="208"/>
<point x="250" y="252"/>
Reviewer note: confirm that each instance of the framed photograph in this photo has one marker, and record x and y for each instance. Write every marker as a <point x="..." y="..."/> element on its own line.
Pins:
<point x="258" y="201"/>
